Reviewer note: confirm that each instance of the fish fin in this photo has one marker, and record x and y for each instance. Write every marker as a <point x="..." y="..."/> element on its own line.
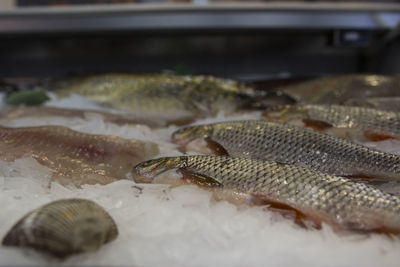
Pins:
<point x="216" y="148"/>
<point x="370" y="177"/>
<point x="199" y="179"/>
<point x="377" y="225"/>
<point x="232" y="196"/>
<point x="287" y="211"/>
<point x="359" y="177"/>
<point x="204" y="146"/>
<point x="375" y="137"/>
<point x="316" y="124"/>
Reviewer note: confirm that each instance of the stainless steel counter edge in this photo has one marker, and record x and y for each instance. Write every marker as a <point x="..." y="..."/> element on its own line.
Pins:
<point x="183" y="17"/>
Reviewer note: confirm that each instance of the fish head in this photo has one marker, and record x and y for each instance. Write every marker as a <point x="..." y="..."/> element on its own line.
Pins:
<point x="146" y="171"/>
<point x="285" y="113"/>
<point x="185" y="135"/>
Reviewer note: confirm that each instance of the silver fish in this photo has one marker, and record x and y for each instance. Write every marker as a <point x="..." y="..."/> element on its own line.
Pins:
<point x="341" y="202"/>
<point x="372" y="122"/>
<point x="292" y="144"/>
<point x="64" y="227"/>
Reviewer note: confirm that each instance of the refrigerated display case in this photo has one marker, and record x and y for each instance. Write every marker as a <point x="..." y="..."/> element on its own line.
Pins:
<point x="263" y="43"/>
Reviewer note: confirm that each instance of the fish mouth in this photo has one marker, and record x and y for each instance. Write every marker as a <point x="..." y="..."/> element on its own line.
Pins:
<point x="146" y="171"/>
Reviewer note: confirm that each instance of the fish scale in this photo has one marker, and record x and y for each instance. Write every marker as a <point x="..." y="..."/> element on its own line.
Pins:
<point x="368" y="120"/>
<point x="295" y="145"/>
<point x="324" y="198"/>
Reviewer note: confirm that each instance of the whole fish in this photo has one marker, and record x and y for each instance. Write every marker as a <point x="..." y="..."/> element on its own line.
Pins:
<point x="75" y="157"/>
<point x="343" y="203"/>
<point x="172" y="99"/>
<point x="383" y="103"/>
<point x="375" y="123"/>
<point x="64" y="227"/>
<point x="39" y="112"/>
<point x="337" y="89"/>
<point x="291" y="144"/>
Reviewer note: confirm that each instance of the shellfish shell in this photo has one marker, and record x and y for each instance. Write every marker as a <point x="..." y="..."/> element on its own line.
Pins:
<point x="64" y="227"/>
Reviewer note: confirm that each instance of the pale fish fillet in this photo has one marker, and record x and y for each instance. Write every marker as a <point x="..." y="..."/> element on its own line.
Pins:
<point x="75" y="157"/>
<point x="44" y="111"/>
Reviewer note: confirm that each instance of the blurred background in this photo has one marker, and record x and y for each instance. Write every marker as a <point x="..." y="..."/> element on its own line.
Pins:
<point x="246" y="40"/>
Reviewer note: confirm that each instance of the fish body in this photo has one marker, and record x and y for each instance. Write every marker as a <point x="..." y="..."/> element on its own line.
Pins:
<point x="337" y="89"/>
<point x="383" y="103"/>
<point x="343" y="203"/>
<point x="370" y="120"/>
<point x="292" y="144"/>
<point x="64" y="227"/>
<point x="75" y="157"/>
<point x="45" y="111"/>
<point x="170" y="98"/>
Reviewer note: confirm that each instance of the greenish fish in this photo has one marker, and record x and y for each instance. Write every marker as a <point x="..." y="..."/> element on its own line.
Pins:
<point x="291" y="144"/>
<point x="168" y="99"/>
<point x="339" y="201"/>
<point x="374" y="123"/>
<point x="337" y="89"/>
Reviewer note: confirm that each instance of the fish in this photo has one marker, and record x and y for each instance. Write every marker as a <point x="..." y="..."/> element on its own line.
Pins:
<point x="63" y="227"/>
<point x="375" y="124"/>
<point x="292" y="144"/>
<point x="316" y="196"/>
<point x="9" y="114"/>
<point x="153" y="97"/>
<point x="383" y="103"/>
<point x="74" y="157"/>
<point x="337" y="89"/>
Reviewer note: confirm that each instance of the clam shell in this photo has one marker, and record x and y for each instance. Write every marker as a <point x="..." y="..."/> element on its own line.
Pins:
<point x="64" y="227"/>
